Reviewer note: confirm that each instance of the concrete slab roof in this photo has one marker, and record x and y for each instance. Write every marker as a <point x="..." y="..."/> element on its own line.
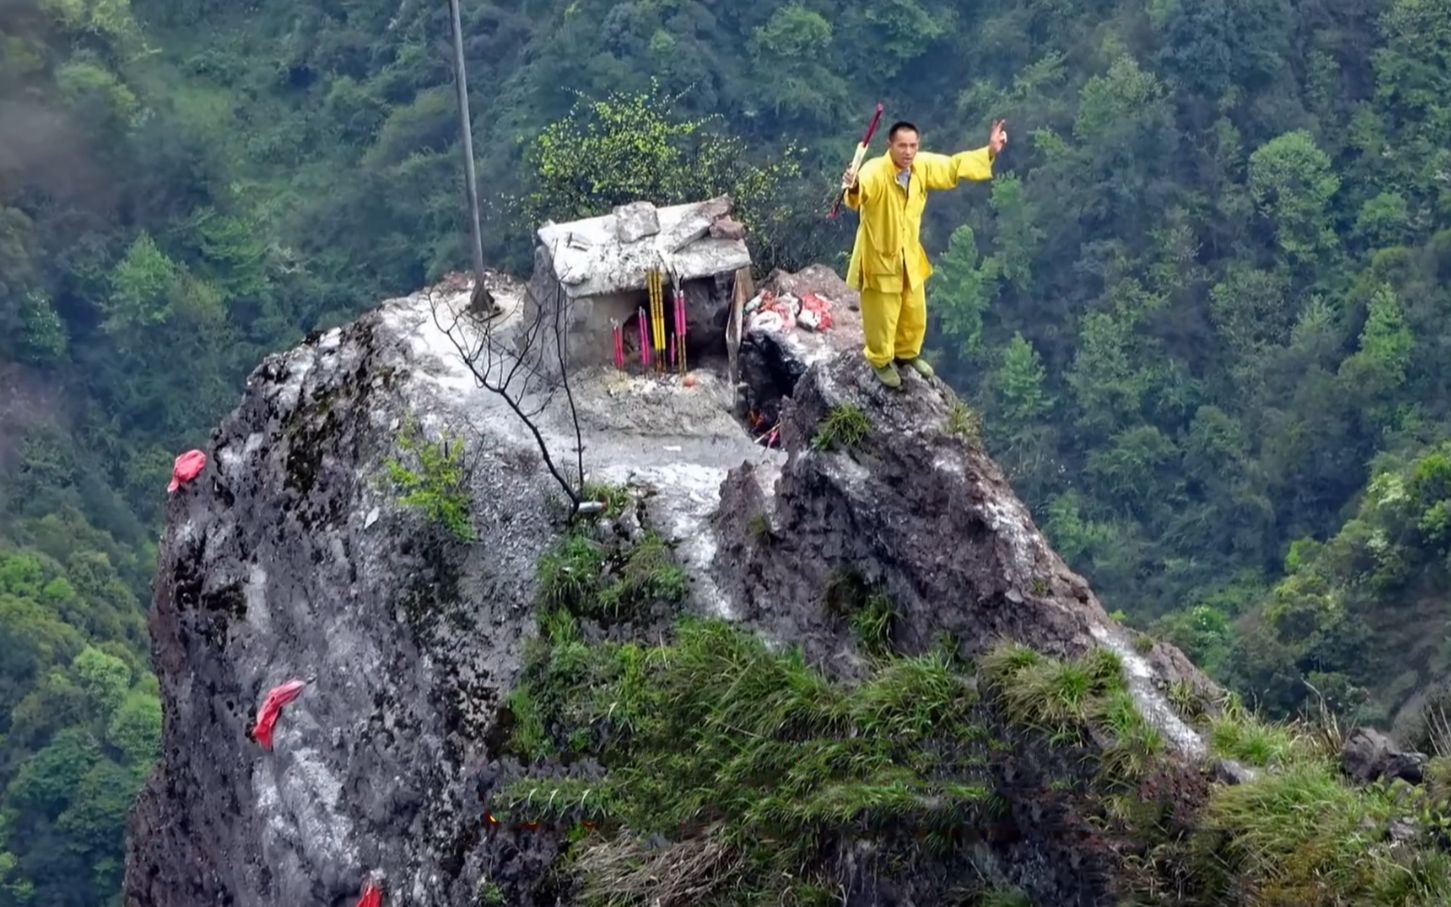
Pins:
<point x="589" y="259"/>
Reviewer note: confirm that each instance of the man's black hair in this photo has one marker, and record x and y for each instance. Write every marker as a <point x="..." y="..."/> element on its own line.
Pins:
<point x="899" y="126"/>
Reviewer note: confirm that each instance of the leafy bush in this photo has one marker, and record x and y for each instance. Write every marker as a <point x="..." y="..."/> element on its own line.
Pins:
<point x="436" y="484"/>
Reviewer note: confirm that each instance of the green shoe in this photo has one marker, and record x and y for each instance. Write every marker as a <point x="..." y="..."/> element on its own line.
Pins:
<point x="919" y="365"/>
<point x="887" y="374"/>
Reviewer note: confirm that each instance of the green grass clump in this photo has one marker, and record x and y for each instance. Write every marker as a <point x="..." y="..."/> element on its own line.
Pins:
<point x="529" y="737"/>
<point x="1048" y="695"/>
<point x="1240" y="736"/>
<point x="1438" y="775"/>
<point x="845" y="426"/>
<point x="1137" y="746"/>
<point x="965" y="422"/>
<point x="645" y="575"/>
<point x="872" y="625"/>
<point x="1301" y="836"/>
<point x="616" y="498"/>
<point x="1186" y="701"/>
<point x="869" y="615"/>
<point x="1065" y="700"/>
<point x="581" y="577"/>
<point x="569" y="575"/>
<point x="746" y="761"/>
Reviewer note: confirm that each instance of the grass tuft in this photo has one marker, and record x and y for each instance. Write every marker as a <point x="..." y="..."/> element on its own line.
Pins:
<point x="1186" y="701"/>
<point x="1137" y="746"/>
<point x="1302" y="836"/>
<point x="872" y="626"/>
<point x="569" y="575"/>
<point x="1239" y="736"/>
<point x="488" y="894"/>
<point x="846" y="426"/>
<point x="581" y="577"/>
<point x="965" y="422"/>
<point x="870" y="615"/>
<point x="530" y="739"/>
<point x="646" y="575"/>
<point x="1065" y="700"/>
<point x="616" y="498"/>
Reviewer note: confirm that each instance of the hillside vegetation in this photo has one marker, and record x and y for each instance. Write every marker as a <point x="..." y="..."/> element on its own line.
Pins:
<point x="1202" y="307"/>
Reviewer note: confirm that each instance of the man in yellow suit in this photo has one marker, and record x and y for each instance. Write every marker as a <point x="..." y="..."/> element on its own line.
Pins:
<point x="888" y="263"/>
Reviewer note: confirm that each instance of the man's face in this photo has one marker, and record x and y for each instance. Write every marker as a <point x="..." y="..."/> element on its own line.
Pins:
<point x="903" y="148"/>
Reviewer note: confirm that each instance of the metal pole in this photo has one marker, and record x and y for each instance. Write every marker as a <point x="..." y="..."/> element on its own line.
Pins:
<point x="466" y="128"/>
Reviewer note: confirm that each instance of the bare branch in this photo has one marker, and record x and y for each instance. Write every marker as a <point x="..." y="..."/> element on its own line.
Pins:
<point x="564" y="378"/>
<point x="518" y="377"/>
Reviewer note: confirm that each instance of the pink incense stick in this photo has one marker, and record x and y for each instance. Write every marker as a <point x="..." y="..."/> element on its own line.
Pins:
<point x="680" y="313"/>
<point x="645" y="358"/>
<point x="680" y="321"/>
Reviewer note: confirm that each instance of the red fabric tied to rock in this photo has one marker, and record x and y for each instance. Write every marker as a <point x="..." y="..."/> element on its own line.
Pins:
<point x="815" y="312"/>
<point x="271" y="709"/>
<point x="372" y="897"/>
<point x="187" y="467"/>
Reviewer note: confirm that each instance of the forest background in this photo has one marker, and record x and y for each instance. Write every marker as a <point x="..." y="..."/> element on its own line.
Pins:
<point x="1202" y="309"/>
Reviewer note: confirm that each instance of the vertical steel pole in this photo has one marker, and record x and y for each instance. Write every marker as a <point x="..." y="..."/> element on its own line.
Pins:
<point x="466" y="128"/>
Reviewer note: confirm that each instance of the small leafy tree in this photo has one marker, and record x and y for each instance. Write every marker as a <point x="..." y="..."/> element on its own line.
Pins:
<point x="438" y="486"/>
<point x="629" y="147"/>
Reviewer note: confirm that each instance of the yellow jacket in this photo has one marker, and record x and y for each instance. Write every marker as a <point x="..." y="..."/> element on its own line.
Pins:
<point x="888" y="238"/>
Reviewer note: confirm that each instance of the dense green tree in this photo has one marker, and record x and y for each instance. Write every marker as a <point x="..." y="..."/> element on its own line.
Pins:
<point x="795" y="45"/>
<point x="627" y="147"/>
<point x="963" y="292"/>
<point x="1292" y="182"/>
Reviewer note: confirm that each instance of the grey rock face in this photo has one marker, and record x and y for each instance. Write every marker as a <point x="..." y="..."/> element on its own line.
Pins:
<point x="728" y="228"/>
<point x="695" y="225"/>
<point x="1368" y="755"/>
<point x="923" y="514"/>
<point x="927" y="518"/>
<point x="290" y="558"/>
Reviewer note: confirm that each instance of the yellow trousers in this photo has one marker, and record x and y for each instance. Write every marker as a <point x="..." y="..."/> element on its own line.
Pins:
<point x="894" y="324"/>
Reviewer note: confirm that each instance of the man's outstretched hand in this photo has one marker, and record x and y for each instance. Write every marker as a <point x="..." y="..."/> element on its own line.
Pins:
<point x="998" y="138"/>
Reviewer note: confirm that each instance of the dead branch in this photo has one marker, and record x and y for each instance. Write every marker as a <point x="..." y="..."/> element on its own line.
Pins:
<point x="560" y="326"/>
<point x="519" y="376"/>
<point x="686" y="872"/>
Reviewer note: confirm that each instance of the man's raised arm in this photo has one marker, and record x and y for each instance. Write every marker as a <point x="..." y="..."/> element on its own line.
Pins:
<point x="942" y="171"/>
